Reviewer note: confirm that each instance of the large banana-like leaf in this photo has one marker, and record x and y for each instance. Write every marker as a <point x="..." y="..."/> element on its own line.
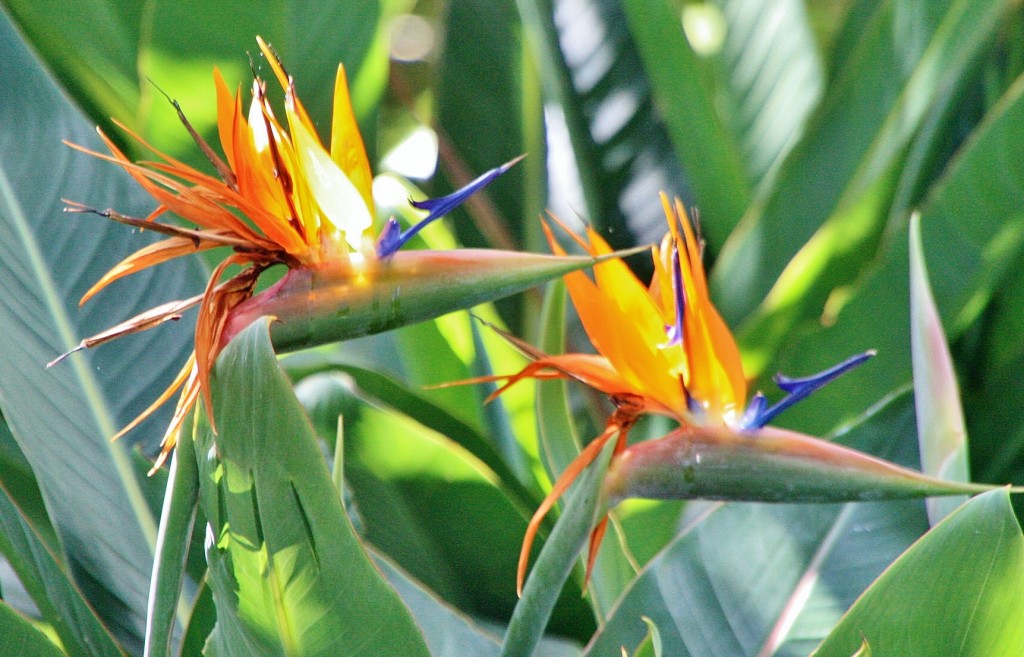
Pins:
<point x="769" y="77"/>
<point x="601" y="119"/>
<point x="288" y="573"/>
<point x="908" y="54"/>
<point x="63" y="417"/>
<point x="971" y="225"/>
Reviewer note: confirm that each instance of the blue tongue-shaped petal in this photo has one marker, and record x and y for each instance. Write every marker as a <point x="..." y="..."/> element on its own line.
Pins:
<point x="674" y="331"/>
<point x="759" y="414"/>
<point x="391" y="239"/>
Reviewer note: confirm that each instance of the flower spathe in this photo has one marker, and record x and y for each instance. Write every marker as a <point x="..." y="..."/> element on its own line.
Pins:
<point x="662" y="349"/>
<point x="279" y="196"/>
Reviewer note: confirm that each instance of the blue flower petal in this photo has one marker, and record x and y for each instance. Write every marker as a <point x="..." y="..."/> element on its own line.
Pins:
<point x="390" y="238"/>
<point x="675" y="331"/>
<point x="390" y="241"/>
<point x="757" y="415"/>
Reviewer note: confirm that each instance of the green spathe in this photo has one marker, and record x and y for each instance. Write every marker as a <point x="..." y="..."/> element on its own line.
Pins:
<point x="318" y="305"/>
<point x="767" y="465"/>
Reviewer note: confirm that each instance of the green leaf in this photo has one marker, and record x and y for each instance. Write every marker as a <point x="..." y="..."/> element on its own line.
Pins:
<point x="19" y="481"/>
<point x="710" y="155"/>
<point x="559" y="443"/>
<point x="940" y="419"/>
<point x="63" y="417"/>
<point x="176" y="522"/>
<point x="651" y="645"/>
<point x="487" y="113"/>
<point x="556" y="560"/>
<point x="425" y="503"/>
<point x="288" y="574"/>
<point x="21" y="638"/>
<point x="112" y="55"/>
<point x="972" y="229"/>
<point x="448" y="634"/>
<point x="910" y="53"/>
<point x="968" y="573"/>
<point x="766" y="85"/>
<point x="600" y="100"/>
<point x="60" y="602"/>
<point x="329" y="393"/>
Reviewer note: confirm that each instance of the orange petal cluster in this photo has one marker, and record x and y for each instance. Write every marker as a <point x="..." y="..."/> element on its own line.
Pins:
<point x="279" y="197"/>
<point x="696" y="379"/>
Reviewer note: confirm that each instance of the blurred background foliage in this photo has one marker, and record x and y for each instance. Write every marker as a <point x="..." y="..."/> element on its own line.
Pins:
<point x="805" y="133"/>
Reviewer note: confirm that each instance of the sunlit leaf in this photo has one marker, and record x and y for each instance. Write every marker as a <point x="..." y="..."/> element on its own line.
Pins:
<point x="909" y="53"/>
<point x="21" y="638"/>
<point x="972" y="227"/>
<point x="115" y="56"/>
<point x="940" y="419"/>
<point x="287" y="571"/>
<point x="961" y="585"/>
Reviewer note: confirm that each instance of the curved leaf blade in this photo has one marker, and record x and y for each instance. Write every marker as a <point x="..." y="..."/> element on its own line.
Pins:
<point x="968" y="573"/>
<point x="63" y="417"/>
<point x="61" y="603"/>
<point x="941" y="433"/>
<point x="910" y="53"/>
<point x="972" y="228"/>
<point x="708" y="152"/>
<point x="21" y="638"/>
<point x="286" y="568"/>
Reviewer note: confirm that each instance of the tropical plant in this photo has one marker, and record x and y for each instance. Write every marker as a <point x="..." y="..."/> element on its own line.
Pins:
<point x="855" y="169"/>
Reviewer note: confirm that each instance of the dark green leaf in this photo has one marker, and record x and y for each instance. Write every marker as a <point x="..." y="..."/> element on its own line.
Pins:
<point x="972" y="229"/>
<point x="21" y="638"/>
<point x="908" y="55"/>
<point x="448" y="634"/>
<point x="115" y="56"/>
<point x="601" y="101"/>
<point x="63" y="417"/>
<point x="557" y="559"/>
<point x="426" y="504"/>
<point x="710" y="155"/>
<point x="59" y="601"/>
<point x="176" y="521"/>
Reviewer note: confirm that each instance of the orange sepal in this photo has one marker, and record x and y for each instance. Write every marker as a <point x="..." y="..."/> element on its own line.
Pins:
<point x="153" y="254"/>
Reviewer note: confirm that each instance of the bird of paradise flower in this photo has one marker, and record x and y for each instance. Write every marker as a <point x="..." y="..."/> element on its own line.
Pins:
<point x="278" y="197"/>
<point x="661" y="349"/>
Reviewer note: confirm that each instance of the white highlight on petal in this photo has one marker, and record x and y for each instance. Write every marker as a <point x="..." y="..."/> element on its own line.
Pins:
<point x="258" y="125"/>
<point x="337" y="197"/>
